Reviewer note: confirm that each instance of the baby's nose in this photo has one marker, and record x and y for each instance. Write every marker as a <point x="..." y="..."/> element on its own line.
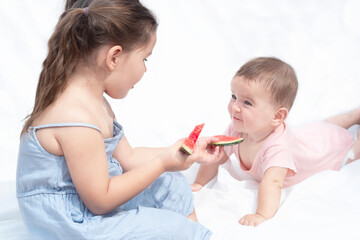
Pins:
<point x="236" y="108"/>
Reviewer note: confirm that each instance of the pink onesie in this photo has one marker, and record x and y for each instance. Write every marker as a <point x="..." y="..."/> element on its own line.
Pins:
<point x="305" y="150"/>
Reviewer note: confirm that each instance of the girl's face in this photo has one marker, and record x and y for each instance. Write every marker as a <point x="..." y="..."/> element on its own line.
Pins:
<point x="251" y="107"/>
<point x="129" y="70"/>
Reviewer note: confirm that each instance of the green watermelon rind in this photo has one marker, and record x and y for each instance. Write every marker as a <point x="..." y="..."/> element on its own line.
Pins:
<point x="186" y="149"/>
<point x="228" y="143"/>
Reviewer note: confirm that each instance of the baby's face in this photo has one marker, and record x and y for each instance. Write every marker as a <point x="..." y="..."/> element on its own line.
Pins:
<point x="251" y="107"/>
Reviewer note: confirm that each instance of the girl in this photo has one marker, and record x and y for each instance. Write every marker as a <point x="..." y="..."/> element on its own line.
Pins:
<point x="78" y="177"/>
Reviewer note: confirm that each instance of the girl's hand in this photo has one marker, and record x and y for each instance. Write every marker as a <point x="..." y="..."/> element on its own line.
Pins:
<point x="205" y="153"/>
<point x="252" y="220"/>
<point x="173" y="159"/>
<point x="196" y="187"/>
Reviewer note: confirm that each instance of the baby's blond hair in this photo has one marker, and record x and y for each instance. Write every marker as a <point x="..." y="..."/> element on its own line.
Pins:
<point x="275" y="75"/>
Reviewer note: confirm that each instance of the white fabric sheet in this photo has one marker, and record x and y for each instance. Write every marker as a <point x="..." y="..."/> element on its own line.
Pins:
<point x="324" y="206"/>
<point x="11" y="225"/>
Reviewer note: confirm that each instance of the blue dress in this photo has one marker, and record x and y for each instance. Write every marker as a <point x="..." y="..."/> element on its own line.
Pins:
<point x="52" y="208"/>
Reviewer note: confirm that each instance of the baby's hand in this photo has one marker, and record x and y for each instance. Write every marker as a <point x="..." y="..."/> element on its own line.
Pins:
<point x="252" y="220"/>
<point x="196" y="187"/>
<point x="205" y="153"/>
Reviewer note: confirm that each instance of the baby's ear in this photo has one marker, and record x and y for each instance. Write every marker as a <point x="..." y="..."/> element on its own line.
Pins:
<point x="280" y="116"/>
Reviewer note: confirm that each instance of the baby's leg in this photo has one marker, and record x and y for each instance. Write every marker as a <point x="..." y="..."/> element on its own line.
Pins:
<point x="346" y="120"/>
<point x="356" y="148"/>
<point x="193" y="216"/>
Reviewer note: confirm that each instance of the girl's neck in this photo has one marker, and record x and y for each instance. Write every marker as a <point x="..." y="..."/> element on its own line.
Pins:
<point x="87" y="82"/>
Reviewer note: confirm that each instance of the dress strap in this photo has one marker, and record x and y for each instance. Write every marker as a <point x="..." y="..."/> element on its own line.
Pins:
<point x="70" y="124"/>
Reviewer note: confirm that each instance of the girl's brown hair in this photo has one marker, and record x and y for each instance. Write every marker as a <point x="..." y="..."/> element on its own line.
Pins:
<point x="76" y="4"/>
<point x="275" y="75"/>
<point x="79" y="32"/>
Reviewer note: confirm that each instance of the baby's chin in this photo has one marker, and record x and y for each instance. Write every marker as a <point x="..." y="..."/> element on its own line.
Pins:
<point x="236" y="127"/>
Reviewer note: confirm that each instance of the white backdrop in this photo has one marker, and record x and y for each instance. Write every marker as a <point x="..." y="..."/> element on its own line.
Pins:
<point x="200" y="46"/>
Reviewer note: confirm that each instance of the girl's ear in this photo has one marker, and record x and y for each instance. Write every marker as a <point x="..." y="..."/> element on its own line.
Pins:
<point x="280" y="116"/>
<point x="112" y="57"/>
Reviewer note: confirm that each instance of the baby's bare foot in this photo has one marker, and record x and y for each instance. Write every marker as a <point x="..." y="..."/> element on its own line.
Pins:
<point x="356" y="149"/>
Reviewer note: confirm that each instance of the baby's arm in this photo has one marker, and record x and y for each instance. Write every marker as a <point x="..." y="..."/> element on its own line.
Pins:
<point x="206" y="173"/>
<point x="269" y="195"/>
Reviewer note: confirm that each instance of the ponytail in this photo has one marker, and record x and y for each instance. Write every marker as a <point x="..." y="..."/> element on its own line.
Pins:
<point x="59" y="63"/>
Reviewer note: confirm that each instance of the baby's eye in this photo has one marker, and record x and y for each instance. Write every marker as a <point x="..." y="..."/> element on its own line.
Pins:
<point x="233" y="96"/>
<point x="247" y="103"/>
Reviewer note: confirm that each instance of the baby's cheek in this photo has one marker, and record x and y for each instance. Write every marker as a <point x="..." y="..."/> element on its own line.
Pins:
<point x="230" y="109"/>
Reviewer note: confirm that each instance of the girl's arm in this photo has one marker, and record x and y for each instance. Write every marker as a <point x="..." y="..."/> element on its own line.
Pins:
<point x="84" y="151"/>
<point x="269" y="195"/>
<point x="130" y="158"/>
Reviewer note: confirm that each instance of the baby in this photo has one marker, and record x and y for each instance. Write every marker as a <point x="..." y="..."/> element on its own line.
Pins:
<point x="263" y="92"/>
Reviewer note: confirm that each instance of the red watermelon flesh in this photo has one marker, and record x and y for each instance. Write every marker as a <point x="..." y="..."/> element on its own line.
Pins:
<point x="226" y="140"/>
<point x="189" y="143"/>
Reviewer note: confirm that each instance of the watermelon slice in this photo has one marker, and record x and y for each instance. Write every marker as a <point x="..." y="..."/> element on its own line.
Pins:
<point x="227" y="141"/>
<point x="189" y="143"/>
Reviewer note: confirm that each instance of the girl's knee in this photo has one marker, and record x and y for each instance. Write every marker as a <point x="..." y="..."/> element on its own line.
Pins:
<point x="172" y="191"/>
